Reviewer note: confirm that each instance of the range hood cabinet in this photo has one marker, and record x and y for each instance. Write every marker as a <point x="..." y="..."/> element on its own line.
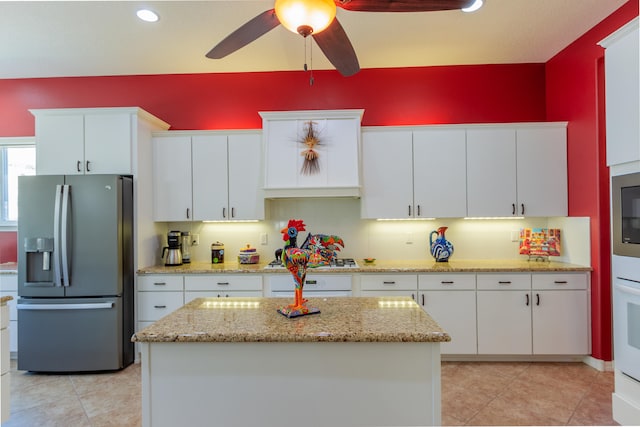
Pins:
<point x="338" y="132"/>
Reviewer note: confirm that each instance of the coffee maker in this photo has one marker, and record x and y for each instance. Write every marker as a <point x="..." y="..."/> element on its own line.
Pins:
<point x="173" y="251"/>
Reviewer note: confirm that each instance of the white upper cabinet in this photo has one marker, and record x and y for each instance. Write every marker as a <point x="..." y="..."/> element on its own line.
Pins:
<point x="439" y="173"/>
<point x="90" y="141"/>
<point x="622" y="83"/>
<point x="172" y="190"/>
<point x="409" y="173"/>
<point x="542" y="171"/>
<point x="387" y="175"/>
<point x="491" y="171"/>
<point x="338" y="153"/>
<point x="208" y="176"/>
<point x="517" y="170"/>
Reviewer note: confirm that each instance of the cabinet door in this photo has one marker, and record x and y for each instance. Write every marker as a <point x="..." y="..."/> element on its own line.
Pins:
<point x="107" y="143"/>
<point x="387" y="174"/>
<point x="60" y="144"/>
<point x="504" y="322"/>
<point x="246" y="200"/>
<point x="210" y="177"/>
<point x="491" y="172"/>
<point x="542" y="171"/>
<point x="560" y="322"/>
<point x="440" y="173"/>
<point x="172" y="178"/>
<point x="455" y="312"/>
<point x="622" y="103"/>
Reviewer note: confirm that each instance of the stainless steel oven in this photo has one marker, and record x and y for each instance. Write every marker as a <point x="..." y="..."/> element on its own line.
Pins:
<point x="625" y="210"/>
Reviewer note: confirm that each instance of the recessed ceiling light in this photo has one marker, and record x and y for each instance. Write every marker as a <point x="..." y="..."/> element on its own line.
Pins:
<point x="147" y="15"/>
<point x="475" y="6"/>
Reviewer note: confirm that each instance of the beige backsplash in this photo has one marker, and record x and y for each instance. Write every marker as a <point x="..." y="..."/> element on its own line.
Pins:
<point x="472" y="239"/>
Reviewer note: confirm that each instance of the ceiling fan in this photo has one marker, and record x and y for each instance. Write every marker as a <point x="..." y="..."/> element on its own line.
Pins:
<point x="328" y="34"/>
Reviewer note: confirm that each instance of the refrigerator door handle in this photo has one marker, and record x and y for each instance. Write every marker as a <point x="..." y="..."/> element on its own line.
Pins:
<point x="85" y="306"/>
<point x="64" y="236"/>
<point x="56" y="237"/>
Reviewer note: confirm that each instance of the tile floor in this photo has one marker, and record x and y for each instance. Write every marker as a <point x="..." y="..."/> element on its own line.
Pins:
<point x="478" y="393"/>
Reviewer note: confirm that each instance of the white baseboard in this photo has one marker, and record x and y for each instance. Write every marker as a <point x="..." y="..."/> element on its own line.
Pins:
<point x="600" y="365"/>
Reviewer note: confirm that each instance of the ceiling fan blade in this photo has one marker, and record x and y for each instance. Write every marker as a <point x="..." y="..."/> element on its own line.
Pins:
<point x="402" y="5"/>
<point x="244" y="35"/>
<point x="336" y="46"/>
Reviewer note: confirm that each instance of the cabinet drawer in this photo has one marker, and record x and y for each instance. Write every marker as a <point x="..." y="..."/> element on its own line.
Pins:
<point x="154" y="305"/>
<point x="504" y="281"/>
<point x="190" y="296"/>
<point x="373" y="282"/>
<point x="162" y="282"/>
<point x="447" y="281"/>
<point x="559" y="281"/>
<point x="222" y="283"/>
<point x="8" y="283"/>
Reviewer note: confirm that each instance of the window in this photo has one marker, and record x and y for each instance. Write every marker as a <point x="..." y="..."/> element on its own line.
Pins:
<point x="17" y="157"/>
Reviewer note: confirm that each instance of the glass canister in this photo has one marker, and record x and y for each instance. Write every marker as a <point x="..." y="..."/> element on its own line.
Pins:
<point x="186" y="247"/>
<point x="217" y="253"/>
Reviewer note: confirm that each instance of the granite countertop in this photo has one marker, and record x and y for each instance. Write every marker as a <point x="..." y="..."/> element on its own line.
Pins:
<point x="381" y="266"/>
<point x="5" y="299"/>
<point x="346" y="319"/>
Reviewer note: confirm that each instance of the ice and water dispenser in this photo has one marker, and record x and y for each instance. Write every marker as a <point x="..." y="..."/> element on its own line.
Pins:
<point x="39" y="268"/>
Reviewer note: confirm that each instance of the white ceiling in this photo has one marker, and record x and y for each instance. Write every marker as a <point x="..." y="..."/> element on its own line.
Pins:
<point x="53" y="38"/>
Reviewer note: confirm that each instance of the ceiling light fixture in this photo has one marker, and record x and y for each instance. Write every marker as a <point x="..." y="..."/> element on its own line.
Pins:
<point x="475" y="6"/>
<point x="305" y="16"/>
<point x="147" y="15"/>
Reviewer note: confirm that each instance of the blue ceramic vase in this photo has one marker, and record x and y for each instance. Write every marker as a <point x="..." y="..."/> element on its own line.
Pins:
<point x="441" y="249"/>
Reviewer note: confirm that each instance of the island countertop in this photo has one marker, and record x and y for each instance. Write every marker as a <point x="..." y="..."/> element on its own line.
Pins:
<point x="379" y="266"/>
<point x="341" y="319"/>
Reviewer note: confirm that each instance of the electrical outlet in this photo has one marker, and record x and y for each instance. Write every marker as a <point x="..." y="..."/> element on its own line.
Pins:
<point x="195" y="240"/>
<point x="409" y="239"/>
<point x="515" y="235"/>
<point x="263" y="238"/>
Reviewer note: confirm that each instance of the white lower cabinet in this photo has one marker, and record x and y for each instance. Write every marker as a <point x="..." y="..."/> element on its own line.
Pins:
<point x="560" y="314"/>
<point x="158" y="295"/>
<point x="450" y="299"/>
<point x="387" y="285"/>
<point x="221" y="286"/>
<point x="9" y="287"/>
<point x="539" y="314"/>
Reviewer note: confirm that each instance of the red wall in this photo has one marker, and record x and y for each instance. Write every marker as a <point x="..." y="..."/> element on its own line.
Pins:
<point x="463" y="94"/>
<point x="8" y="248"/>
<point x="575" y="93"/>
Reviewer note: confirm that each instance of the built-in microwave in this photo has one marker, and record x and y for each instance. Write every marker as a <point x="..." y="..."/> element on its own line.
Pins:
<point x="625" y="210"/>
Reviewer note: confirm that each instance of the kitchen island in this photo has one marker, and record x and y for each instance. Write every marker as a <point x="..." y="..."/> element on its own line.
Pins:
<point x="236" y="361"/>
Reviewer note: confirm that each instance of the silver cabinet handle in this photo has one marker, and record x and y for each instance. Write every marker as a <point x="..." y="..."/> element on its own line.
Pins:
<point x="537" y="299"/>
<point x="409" y="210"/>
<point x="447" y="282"/>
<point x="222" y="283"/>
<point x="506" y="282"/>
<point x="224" y="212"/>
<point x="311" y="282"/>
<point x="188" y="213"/>
<point x="87" y="167"/>
<point x="233" y="212"/>
<point x="560" y="282"/>
<point x="527" y="299"/>
<point x="159" y="306"/>
<point x="159" y="283"/>
<point x="513" y="208"/>
<point x="389" y="283"/>
<point x="78" y="166"/>
<point x="418" y="210"/>
<point x="522" y="208"/>
<point x="422" y="299"/>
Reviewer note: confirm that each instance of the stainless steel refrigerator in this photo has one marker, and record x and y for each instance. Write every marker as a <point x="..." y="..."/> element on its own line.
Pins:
<point x="75" y="273"/>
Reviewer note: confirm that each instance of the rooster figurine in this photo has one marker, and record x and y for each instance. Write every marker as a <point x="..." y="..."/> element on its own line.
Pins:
<point x="317" y="250"/>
